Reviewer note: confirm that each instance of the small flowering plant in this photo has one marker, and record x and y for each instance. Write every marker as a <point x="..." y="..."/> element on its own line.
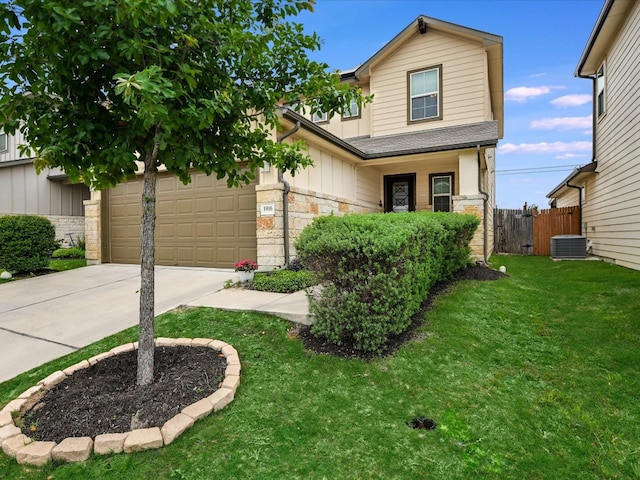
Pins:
<point x="246" y="266"/>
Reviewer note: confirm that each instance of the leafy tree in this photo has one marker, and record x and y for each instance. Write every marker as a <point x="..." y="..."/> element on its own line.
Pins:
<point x="97" y="85"/>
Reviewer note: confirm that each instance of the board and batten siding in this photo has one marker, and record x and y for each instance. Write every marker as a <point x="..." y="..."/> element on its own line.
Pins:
<point x="12" y="153"/>
<point x="612" y="205"/>
<point x="22" y="191"/>
<point x="463" y="89"/>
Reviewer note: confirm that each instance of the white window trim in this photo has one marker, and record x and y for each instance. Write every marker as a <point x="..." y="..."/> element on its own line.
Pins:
<point x="353" y="111"/>
<point x="601" y="90"/>
<point x="4" y="139"/>
<point x="320" y="117"/>
<point x="433" y="190"/>
<point x="438" y="92"/>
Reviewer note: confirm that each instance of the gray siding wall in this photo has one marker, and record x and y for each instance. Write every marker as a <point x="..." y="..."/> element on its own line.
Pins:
<point x="22" y="191"/>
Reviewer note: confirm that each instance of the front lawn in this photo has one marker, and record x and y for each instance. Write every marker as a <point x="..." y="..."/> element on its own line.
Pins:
<point x="55" y="265"/>
<point x="536" y="376"/>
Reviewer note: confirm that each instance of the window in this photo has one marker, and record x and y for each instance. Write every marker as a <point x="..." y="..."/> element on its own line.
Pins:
<point x="3" y="142"/>
<point x="424" y="95"/>
<point x="600" y="93"/>
<point x="353" y="111"/>
<point x="441" y="185"/>
<point x="320" y="117"/>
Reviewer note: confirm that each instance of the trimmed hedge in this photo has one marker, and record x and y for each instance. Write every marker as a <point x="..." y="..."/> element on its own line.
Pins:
<point x="26" y="243"/>
<point x="283" y="281"/>
<point x="73" y="252"/>
<point x="377" y="269"/>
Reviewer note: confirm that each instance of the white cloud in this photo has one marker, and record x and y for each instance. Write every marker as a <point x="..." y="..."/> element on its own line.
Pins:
<point x="571" y="100"/>
<point x="545" y="147"/>
<point x="522" y="94"/>
<point x="566" y="156"/>
<point x="562" y="123"/>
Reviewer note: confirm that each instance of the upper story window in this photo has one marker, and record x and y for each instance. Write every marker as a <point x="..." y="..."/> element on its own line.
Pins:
<point x="425" y="96"/>
<point x="353" y="111"/>
<point x="3" y="141"/>
<point x="600" y="91"/>
<point x="320" y="117"/>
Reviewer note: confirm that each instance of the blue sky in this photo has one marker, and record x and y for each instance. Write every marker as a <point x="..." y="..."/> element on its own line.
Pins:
<point x="547" y="109"/>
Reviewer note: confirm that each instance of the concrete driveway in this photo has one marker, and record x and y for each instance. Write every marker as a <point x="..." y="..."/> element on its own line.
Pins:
<point x="43" y="318"/>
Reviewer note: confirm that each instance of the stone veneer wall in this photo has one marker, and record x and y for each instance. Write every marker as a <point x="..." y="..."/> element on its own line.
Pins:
<point x="473" y="205"/>
<point x="304" y="206"/>
<point x="92" y="229"/>
<point x="65" y="224"/>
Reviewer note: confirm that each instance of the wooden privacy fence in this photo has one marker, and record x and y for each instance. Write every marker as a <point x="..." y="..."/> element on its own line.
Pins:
<point x="513" y="231"/>
<point x="555" y="221"/>
<point x="527" y="233"/>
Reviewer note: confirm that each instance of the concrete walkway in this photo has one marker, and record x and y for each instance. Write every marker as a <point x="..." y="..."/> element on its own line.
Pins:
<point x="43" y="318"/>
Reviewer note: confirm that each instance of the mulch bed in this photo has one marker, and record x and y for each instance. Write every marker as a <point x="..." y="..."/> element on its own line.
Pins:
<point x="104" y="398"/>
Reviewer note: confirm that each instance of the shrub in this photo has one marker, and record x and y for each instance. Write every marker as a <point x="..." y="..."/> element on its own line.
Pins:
<point x="377" y="269"/>
<point x="283" y="281"/>
<point x="26" y="243"/>
<point x="73" y="252"/>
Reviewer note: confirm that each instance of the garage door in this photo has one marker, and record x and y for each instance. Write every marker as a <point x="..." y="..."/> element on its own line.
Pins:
<point x="201" y="224"/>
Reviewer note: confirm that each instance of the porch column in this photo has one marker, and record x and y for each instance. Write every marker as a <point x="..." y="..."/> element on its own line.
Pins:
<point x="270" y="225"/>
<point x="92" y="228"/>
<point x="469" y="200"/>
<point x="468" y="168"/>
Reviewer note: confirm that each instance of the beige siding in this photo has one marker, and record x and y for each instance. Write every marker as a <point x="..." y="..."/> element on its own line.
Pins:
<point x="330" y="175"/>
<point x="352" y="127"/>
<point x="463" y="90"/>
<point x="423" y="169"/>
<point x="612" y="206"/>
<point x="368" y="182"/>
<point x="569" y="199"/>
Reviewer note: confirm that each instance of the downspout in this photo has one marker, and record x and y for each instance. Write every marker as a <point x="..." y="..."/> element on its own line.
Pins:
<point x="594" y="112"/>
<point x="285" y="198"/>
<point x="485" y="200"/>
<point x="579" y="203"/>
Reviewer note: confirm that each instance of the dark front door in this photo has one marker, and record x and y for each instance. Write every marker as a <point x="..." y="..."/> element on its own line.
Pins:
<point x="400" y="193"/>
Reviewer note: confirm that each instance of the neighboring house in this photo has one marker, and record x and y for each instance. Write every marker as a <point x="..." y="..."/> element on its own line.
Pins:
<point x="49" y="194"/>
<point x="607" y="188"/>
<point x="427" y="142"/>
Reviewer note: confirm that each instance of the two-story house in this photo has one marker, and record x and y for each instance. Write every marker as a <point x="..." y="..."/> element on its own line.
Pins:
<point x="426" y="142"/>
<point x="49" y="194"/>
<point x="607" y="188"/>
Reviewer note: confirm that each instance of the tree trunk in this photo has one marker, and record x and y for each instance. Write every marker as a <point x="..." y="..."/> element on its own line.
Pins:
<point x="146" y="344"/>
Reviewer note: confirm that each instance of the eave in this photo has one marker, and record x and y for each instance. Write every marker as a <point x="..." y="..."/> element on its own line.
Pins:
<point x="609" y="23"/>
<point x="577" y="176"/>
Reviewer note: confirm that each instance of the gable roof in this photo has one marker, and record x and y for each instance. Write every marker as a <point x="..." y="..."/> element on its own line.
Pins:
<point x="422" y="25"/>
<point x="613" y="14"/>
<point x="434" y="140"/>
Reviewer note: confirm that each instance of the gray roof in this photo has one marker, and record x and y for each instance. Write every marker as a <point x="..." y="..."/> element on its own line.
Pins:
<point x="425" y="141"/>
<point x="434" y="140"/>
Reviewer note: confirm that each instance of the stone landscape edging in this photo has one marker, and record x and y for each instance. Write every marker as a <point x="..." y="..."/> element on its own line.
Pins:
<point x="77" y="449"/>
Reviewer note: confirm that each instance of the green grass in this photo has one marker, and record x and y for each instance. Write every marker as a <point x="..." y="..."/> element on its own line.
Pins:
<point x="536" y="376"/>
<point x="61" y="264"/>
<point x="56" y="264"/>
